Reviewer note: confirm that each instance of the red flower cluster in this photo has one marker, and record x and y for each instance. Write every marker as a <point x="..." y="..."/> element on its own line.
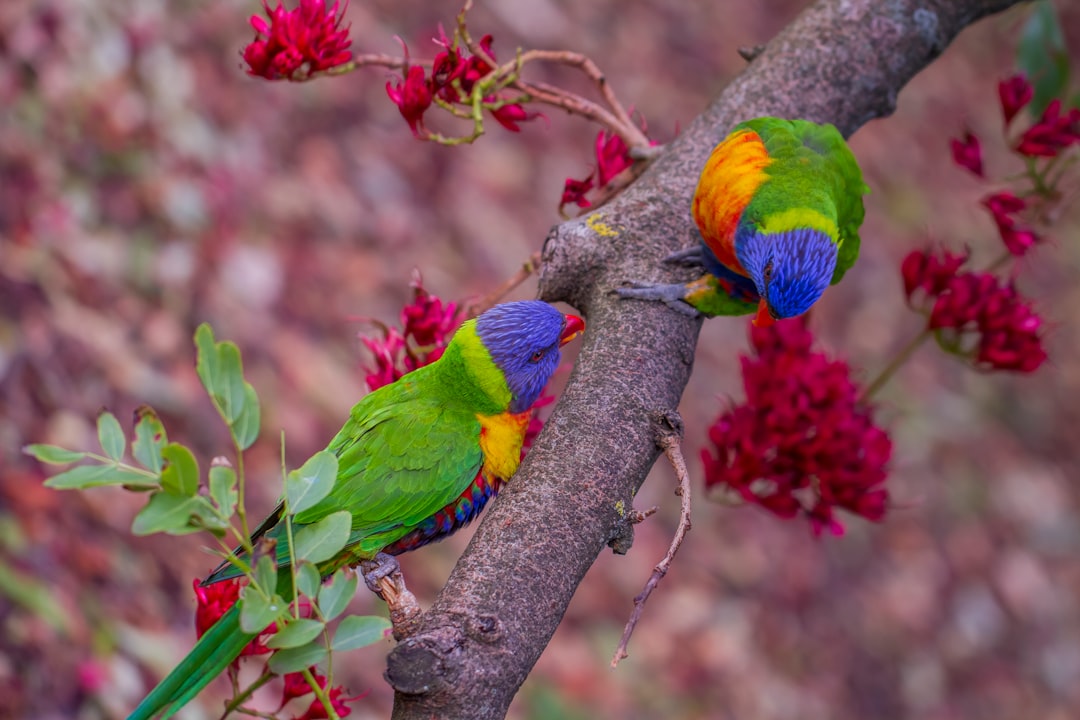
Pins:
<point x="215" y="600"/>
<point x="976" y="315"/>
<point x="296" y="685"/>
<point x="299" y="42"/>
<point x="454" y="74"/>
<point x="1053" y="132"/>
<point x="1004" y="206"/>
<point x="612" y="157"/>
<point x="427" y="324"/>
<point x="802" y="442"/>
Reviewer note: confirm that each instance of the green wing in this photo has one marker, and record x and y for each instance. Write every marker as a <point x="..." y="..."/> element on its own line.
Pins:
<point x="403" y="455"/>
<point x="815" y="167"/>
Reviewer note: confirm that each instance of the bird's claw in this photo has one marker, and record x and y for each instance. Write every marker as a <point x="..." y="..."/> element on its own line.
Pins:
<point x="670" y="295"/>
<point x="690" y="257"/>
<point x="382" y="566"/>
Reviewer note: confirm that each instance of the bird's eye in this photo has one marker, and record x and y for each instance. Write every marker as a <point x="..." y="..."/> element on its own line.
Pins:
<point x="537" y="356"/>
<point x="767" y="272"/>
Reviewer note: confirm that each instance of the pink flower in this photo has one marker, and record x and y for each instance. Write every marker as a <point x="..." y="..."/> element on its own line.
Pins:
<point x="1015" y="93"/>
<point x="988" y="322"/>
<point x="1004" y="206"/>
<point x="967" y="153"/>
<point x="1052" y="133"/>
<point x="924" y="270"/>
<point x="574" y="192"/>
<point x="802" y="443"/>
<point x="215" y="600"/>
<point x="510" y="115"/>
<point x="299" y="42"/>
<point x="412" y="97"/>
<point x="612" y="157"/>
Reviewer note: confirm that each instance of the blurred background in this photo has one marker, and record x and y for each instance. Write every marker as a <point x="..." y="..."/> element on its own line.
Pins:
<point x="148" y="184"/>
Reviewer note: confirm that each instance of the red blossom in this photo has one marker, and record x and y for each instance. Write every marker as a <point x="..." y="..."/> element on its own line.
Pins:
<point x="412" y="97"/>
<point x="979" y="317"/>
<point x="967" y="153"/>
<point x="1052" y="133"/>
<point x="299" y="42"/>
<point x="215" y="600"/>
<point x="926" y="271"/>
<point x="612" y="157"/>
<point x="802" y="443"/>
<point x="1015" y="93"/>
<point x="296" y="685"/>
<point x="574" y="192"/>
<point x="1004" y="206"/>
<point x="510" y="115"/>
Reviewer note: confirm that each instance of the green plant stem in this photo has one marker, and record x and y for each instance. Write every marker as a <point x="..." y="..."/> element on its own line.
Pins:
<point x="241" y="511"/>
<point x="897" y="362"/>
<point x="321" y="695"/>
<point x="287" y="512"/>
<point x="240" y="699"/>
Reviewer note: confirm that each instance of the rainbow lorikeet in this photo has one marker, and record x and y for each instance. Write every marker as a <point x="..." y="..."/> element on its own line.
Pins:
<point x="779" y="205"/>
<point x="417" y="459"/>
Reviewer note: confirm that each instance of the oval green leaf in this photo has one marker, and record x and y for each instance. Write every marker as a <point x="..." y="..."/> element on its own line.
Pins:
<point x="165" y="513"/>
<point x="87" y="476"/>
<point x="257" y="612"/>
<point x="297" y="658"/>
<point x="296" y="633"/>
<point x="150" y="438"/>
<point x="180" y="476"/>
<point x="357" y="631"/>
<point x="335" y="595"/>
<point x="323" y="540"/>
<point x="111" y="436"/>
<point x="308" y="580"/>
<point x="223" y="489"/>
<point x="52" y="454"/>
<point x="312" y="482"/>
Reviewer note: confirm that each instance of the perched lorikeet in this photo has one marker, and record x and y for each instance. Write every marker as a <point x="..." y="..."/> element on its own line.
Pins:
<point x="417" y="460"/>
<point x="779" y="205"/>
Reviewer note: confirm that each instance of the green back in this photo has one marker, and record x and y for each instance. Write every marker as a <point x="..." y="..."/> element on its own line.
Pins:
<point x="812" y="168"/>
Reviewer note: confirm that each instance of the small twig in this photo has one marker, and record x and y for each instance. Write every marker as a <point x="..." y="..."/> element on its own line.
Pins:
<point x="673" y="451"/>
<point x="404" y="609"/>
<point x="530" y="266"/>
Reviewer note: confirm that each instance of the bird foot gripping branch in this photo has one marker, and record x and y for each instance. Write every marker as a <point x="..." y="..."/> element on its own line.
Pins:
<point x="383" y="577"/>
<point x="779" y="205"/>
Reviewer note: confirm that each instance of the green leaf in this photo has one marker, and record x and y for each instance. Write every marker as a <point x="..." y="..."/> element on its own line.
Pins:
<point x="296" y="633"/>
<point x="266" y="574"/>
<point x="223" y="489"/>
<point x="1042" y="56"/>
<point x="308" y="580"/>
<point x="52" y="454"/>
<point x="325" y="539"/>
<point x="150" y="438"/>
<point x="357" y="631"/>
<point x="257" y="612"/>
<point x="111" y="436"/>
<point x="245" y="429"/>
<point x="180" y="476"/>
<point x="87" y="476"/>
<point x="335" y="595"/>
<point x="295" y="659"/>
<point x="165" y="513"/>
<point x="209" y="517"/>
<point x="312" y="482"/>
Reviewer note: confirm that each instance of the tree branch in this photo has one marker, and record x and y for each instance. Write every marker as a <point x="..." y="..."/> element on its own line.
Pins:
<point x="841" y="61"/>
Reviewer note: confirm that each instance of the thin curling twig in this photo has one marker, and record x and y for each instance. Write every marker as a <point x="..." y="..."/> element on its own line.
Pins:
<point x="527" y="269"/>
<point x="673" y="451"/>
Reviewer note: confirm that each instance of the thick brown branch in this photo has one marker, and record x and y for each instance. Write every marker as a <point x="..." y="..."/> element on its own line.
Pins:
<point x="841" y="61"/>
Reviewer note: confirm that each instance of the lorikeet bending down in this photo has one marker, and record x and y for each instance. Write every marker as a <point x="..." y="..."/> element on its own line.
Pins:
<point x="417" y="460"/>
<point x="779" y="205"/>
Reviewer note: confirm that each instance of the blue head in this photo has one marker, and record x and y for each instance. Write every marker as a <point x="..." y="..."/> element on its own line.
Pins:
<point x="790" y="269"/>
<point x="523" y="338"/>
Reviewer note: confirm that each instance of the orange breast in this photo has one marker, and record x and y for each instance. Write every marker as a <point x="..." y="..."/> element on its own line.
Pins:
<point x="501" y="437"/>
<point x="732" y="175"/>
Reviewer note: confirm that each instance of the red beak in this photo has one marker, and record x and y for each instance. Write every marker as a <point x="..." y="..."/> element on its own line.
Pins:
<point x="763" y="318"/>
<point x="574" y="327"/>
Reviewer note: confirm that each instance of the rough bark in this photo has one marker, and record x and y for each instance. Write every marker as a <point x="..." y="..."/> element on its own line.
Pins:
<point x="841" y="61"/>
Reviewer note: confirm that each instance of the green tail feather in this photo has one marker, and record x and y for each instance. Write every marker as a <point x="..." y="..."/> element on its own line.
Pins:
<point x="216" y="649"/>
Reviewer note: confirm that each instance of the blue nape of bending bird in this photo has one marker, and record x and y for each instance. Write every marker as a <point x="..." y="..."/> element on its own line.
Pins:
<point x="779" y="205"/>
